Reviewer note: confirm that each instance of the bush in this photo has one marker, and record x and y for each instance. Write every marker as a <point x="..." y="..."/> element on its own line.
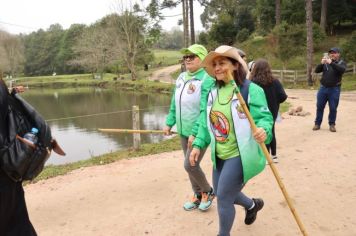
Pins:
<point x="349" y="49"/>
<point x="243" y="35"/>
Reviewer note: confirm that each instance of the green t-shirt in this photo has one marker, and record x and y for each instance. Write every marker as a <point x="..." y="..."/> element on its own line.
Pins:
<point x="223" y="125"/>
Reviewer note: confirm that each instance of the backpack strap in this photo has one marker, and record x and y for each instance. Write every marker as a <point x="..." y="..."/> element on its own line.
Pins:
<point x="244" y="90"/>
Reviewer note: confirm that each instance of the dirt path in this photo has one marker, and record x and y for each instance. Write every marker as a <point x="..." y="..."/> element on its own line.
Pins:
<point x="164" y="75"/>
<point x="144" y="196"/>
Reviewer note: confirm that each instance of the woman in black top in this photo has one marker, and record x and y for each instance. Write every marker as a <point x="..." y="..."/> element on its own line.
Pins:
<point x="14" y="220"/>
<point x="275" y="94"/>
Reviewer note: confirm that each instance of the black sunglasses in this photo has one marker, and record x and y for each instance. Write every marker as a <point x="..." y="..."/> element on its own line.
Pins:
<point x="190" y="57"/>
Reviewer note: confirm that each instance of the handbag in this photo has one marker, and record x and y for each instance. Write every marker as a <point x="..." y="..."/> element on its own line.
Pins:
<point x="20" y="159"/>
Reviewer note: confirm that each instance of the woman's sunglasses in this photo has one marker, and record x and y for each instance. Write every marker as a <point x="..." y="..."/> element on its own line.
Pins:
<point x="190" y="57"/>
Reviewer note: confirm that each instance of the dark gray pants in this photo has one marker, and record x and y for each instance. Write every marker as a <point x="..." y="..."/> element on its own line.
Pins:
<point x="14" y="220"/>
<point x="228" y="183"/>
<point x="196" y="175"/>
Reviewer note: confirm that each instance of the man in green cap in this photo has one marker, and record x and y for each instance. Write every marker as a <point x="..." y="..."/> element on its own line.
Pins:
<point x="184" y="112"/>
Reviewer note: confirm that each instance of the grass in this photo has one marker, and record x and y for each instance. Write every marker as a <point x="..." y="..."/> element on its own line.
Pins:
<point x="258" y="47"/>
<point x="86" y="80"/>
<point x="146" y="149"/>
<point x="167" y="57"/>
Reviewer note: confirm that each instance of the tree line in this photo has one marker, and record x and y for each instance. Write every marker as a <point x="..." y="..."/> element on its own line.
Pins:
<point x="121" y="41"/>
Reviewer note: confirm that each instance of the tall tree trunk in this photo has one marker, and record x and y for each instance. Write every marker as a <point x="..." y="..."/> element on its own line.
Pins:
<point x="191" y="14"/>
<point x="185" y="6"/>
<point x="278" y="12"/>
<point x="309" y="24"/>
<point x="324" y="7"/>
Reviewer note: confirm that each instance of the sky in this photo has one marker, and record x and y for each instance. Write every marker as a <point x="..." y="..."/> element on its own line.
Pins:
<point x="26" y="16"/>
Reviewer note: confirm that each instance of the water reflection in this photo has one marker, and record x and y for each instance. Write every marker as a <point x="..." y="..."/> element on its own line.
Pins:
<point x="79" y="136"/>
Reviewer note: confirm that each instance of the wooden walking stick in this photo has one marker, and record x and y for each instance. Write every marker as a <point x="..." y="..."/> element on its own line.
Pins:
<point x="133" y="131"/>
<point x="269" y="159"/>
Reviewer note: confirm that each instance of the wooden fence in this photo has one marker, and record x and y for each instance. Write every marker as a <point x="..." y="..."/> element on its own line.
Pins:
<point x="295" y="76"/>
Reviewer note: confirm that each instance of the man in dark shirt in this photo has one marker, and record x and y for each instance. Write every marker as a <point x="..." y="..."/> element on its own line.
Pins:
<point x="329" y="92"/>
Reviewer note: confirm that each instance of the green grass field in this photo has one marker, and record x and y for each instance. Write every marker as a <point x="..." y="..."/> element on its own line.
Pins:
<point x="167" y="57"/>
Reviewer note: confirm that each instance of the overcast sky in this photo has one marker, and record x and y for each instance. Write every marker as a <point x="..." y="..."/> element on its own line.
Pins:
<point x="25" y="16"/>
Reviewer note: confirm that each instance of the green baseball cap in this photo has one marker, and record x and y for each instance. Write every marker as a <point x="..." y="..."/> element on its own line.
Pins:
<point x="195" y="49"/>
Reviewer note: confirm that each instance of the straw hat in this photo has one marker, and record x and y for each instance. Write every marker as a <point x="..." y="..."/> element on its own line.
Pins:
<point x="222" y="51"/>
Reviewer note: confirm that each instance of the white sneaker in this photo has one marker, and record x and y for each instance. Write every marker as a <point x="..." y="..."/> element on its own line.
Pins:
<point x="275" y="159"/>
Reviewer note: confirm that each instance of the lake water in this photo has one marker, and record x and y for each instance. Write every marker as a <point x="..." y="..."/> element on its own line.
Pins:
<point x="76" y="114"/>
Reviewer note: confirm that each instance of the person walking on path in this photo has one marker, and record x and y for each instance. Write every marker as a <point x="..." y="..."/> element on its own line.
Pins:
<point x="14" y="219"/>
<point x="275" y="95"/>
<point x="330" y="87"/>
<point x="235" y="152"/>
<point x="184" y="112"/>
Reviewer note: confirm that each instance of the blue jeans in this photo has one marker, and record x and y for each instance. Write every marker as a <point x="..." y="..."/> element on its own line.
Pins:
<point x="327" y="95"/>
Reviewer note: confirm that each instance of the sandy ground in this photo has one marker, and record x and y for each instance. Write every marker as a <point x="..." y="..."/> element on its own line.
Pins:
<point x="144" y="196"/>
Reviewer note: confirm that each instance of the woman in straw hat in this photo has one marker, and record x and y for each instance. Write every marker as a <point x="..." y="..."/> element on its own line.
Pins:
<point x="235" y="151"/>
<point x="184" y="112"/>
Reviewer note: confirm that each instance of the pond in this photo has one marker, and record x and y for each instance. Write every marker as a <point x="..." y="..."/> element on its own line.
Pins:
<point x="76" y="114"/>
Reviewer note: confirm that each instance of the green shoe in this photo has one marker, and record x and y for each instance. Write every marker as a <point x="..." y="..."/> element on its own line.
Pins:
<point x="193" y="204"/>
<point x="206" y="200"/>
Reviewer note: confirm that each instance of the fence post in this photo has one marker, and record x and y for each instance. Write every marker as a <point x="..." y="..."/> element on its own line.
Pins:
<point x="136" y="125"/>
<point x="354" y="69"/>
<point x="295" y="77"/>
<point x="281" y="75"/>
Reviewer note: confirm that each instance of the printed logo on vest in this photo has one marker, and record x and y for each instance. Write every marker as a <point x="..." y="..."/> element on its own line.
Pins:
<point x="240" y="112"/>
<point x="219" y="125"/>
<point x="191" y="88"/>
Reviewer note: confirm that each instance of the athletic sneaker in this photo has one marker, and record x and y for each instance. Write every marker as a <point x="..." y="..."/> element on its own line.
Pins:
<point x="206" y="200"/>
<point x="275" y="159"/>
<point x="251" y="215"/>
<point x="194" y="203"/>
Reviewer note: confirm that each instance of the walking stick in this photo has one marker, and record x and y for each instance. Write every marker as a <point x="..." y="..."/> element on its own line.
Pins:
<point x="132" y="131"/>
<point x="270" y="162"/>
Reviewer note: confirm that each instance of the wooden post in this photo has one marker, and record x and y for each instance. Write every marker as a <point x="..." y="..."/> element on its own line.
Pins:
<point x="354" y="68"/>
<point x="136" y="125"/>
<point x="281" y="76"/>
<point x="295" y="77"/>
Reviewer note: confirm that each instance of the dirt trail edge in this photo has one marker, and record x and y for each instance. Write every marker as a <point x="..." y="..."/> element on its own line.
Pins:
<point x="144" y="196"/>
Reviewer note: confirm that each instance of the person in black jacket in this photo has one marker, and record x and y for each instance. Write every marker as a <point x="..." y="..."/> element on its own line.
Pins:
<point x="14" y="219"/>
<point x="330" y="86"/>
<point x="262" y="75"/>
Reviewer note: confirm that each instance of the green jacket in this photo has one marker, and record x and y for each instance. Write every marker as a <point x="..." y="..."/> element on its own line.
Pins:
<point x="184" y="110"/>
<point x="252" y="156"/>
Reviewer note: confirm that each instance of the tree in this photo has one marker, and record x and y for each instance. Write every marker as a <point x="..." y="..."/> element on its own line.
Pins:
<point x="287" y="41"/>
<point x="91" y="49"/>
<point x="349" y="49"/>
<point x="130" y="29"/>
<point x="309" y="26"/>
<point x="323" y="14"/>
<point x="187" y="15"/>
<point x="42" y="50"/>
<point x="191" y="21"/>
<point x="185" y="9"/>
<point x="225" y="19"/>
<point x="278" y="12"/>
<point x="264" y="13"/>
<point x="4" y="62"/>
<point x="12" y="49"/>
<point x="293" y="12"/>
<point x="171" y="40"/>
<point x="66" y="53"/>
